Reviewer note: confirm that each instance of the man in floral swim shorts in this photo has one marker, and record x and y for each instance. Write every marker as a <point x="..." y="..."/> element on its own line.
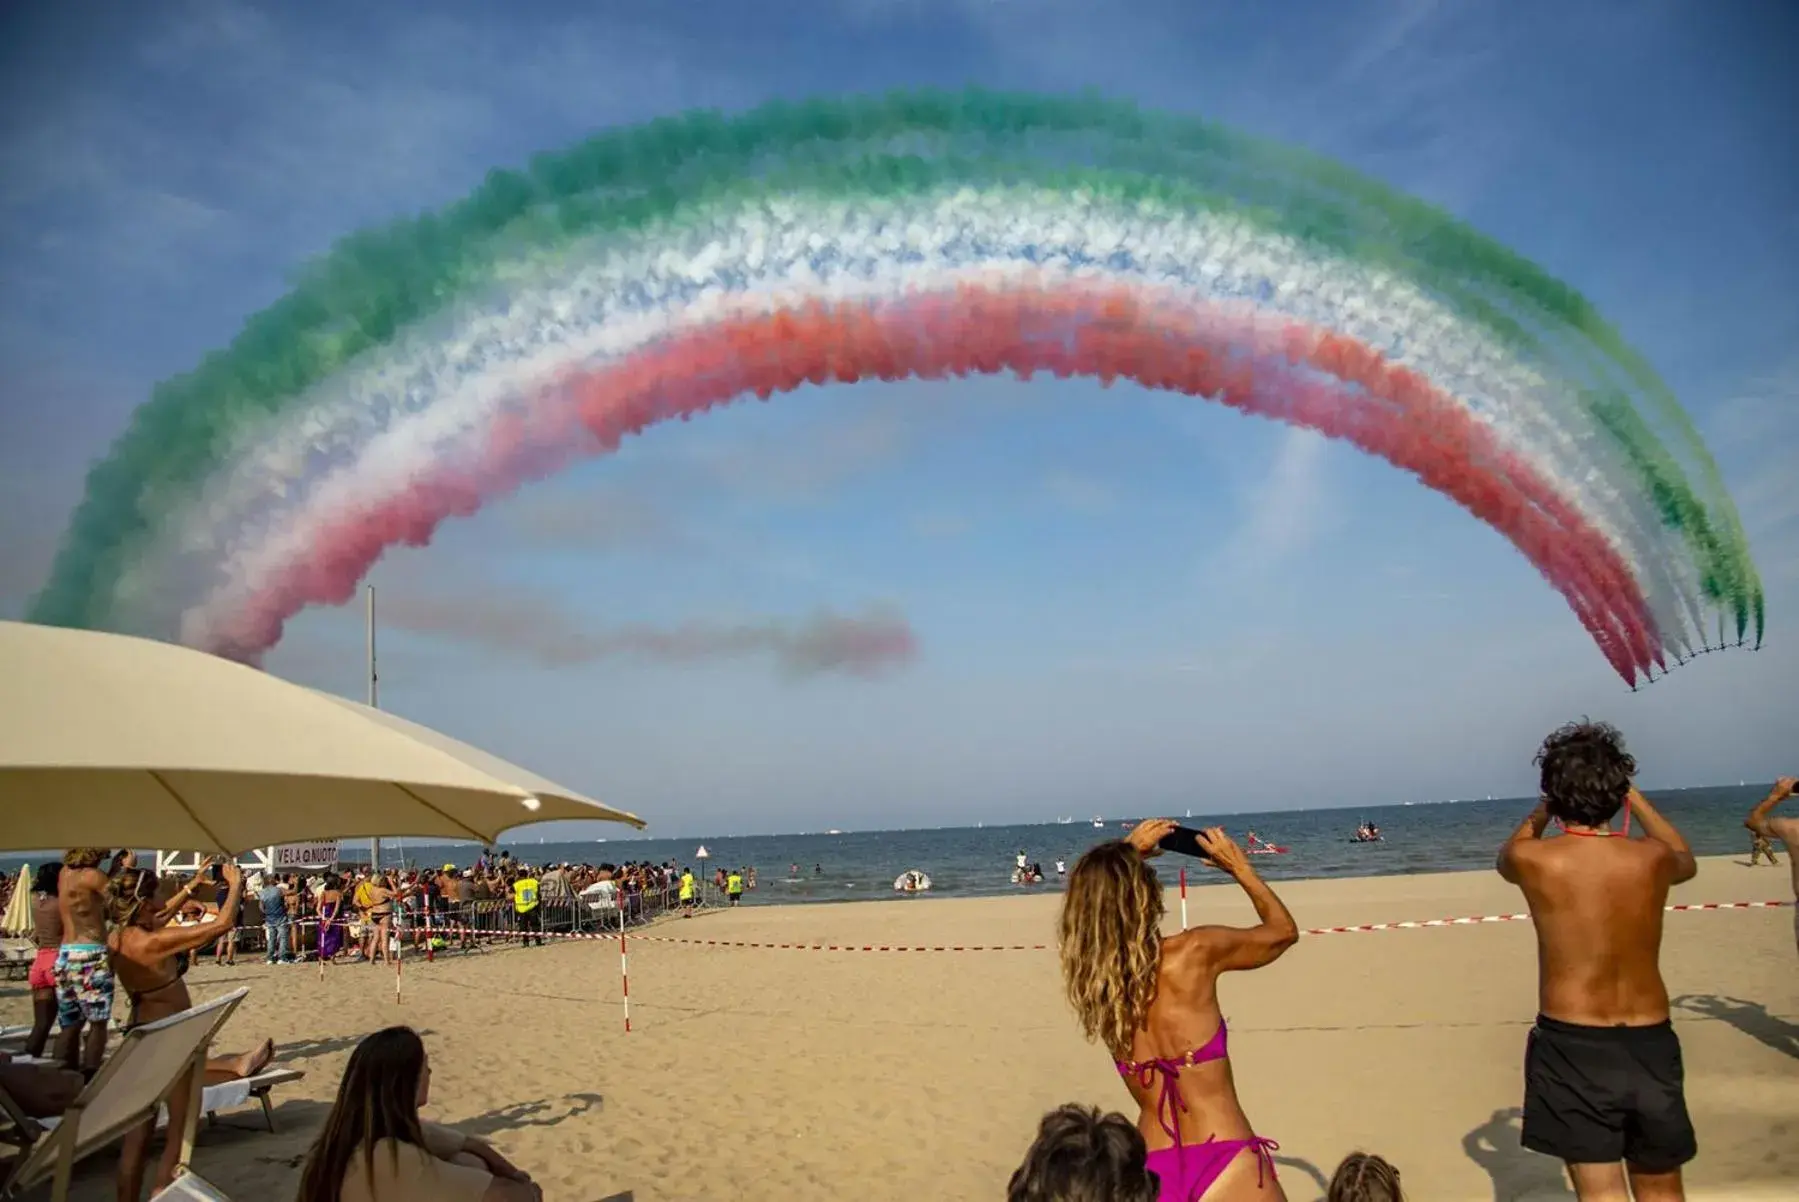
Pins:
<point x="83" y="976"/>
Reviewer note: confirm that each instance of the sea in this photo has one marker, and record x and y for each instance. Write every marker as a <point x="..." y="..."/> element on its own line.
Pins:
<point x="862" y="865"/>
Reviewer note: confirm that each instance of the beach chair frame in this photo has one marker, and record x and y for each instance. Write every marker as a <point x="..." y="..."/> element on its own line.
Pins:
<point x="52" y="1151"/>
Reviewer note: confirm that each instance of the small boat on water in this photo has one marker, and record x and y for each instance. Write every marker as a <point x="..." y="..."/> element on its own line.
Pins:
<point x="1099" y="824"/>
<point x="912" y="881"/>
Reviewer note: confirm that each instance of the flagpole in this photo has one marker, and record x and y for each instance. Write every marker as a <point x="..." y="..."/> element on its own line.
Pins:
<point x="374" y="703"/>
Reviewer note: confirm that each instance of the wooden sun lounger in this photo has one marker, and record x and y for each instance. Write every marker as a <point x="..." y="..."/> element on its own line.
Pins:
<point x="16" y="956"/>
<point x="129" y="1087"/>
<point x="215" y="1098"/>
<point x="190" y="1187"/>
<point x="261" y="1085"/>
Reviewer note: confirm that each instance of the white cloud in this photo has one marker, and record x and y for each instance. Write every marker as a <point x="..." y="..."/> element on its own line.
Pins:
<point x="306" y="136"/>
<point x="1755" y="437"/>
<point x="1080" y="493"/>
<point x="941" y="524"/>
<point x="1282" y="513"/>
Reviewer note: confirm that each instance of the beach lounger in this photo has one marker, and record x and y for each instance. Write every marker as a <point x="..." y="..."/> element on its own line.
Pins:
<point x="188" y="1187"/>
<point x="16" y="956"/>
<point x="129" y="1087"/>
<point x="229" y="1095"/>
<point x="226" y="1095"/>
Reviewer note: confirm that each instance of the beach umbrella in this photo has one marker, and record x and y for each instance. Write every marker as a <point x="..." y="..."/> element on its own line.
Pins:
<point x="126" y="742"/>
<point x="18" y="922"/>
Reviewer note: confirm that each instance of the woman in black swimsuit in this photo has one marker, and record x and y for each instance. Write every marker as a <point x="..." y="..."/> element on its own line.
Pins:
<point x="147" y="955"/>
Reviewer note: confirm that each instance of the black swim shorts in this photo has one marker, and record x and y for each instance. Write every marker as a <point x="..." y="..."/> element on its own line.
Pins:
<point x="1598" y="1095"/>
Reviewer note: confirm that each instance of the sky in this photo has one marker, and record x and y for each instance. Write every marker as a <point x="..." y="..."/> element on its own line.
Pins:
<point x="1123" y="602"/>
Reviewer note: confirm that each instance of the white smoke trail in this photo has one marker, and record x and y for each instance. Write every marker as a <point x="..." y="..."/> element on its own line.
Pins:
<point x="392" y="412"/>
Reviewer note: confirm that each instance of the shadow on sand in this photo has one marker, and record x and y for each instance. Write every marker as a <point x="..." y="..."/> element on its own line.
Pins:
<point x="305" y="1049"/>
<point x="1751" y="1018"/>
<point x="542" y="1113"/>
<point x="1304" y="1166"/>
<point x="1516" y="1172"/>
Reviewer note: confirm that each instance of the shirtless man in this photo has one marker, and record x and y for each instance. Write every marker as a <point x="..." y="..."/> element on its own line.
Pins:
<point x="1603" y="1079"/>
<point x="83" y="979"/>
<point x="1762" y="822"/>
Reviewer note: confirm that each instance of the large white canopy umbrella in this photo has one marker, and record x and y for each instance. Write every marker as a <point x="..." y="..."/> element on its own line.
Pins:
<point x="107" y="740"/>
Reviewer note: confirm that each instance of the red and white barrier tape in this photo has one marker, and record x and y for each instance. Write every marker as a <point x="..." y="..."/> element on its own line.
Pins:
<point x="1484" y="918"/>
<point x="1408" y="925"/>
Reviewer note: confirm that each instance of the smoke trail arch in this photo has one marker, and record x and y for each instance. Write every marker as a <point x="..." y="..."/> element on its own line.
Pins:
<point x="656" y="272"/>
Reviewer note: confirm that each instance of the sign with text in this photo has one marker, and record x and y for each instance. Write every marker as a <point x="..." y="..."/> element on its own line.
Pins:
<point x="305" y="855"/>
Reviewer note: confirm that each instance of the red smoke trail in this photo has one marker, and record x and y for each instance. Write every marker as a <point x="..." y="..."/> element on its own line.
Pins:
<point x="539" y="629"/>
<point x="1307" y="377"/>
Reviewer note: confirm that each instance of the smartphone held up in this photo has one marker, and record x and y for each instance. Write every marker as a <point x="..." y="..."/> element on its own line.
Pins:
<point x="1184" y="841"/>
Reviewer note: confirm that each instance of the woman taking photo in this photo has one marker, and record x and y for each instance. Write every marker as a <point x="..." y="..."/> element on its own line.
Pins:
<point x="1153" y="1002"/>
<point x="374" y="1148"/>
<point x="149" y="960"/>
<point x="380" y="894"/>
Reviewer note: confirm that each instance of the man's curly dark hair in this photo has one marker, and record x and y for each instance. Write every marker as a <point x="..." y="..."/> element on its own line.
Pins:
<point x="1084" y="1156"/>
<point x="1586" y="772"/>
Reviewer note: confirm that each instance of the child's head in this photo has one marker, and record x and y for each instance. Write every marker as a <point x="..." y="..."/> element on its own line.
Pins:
<point x="1083" y="1156"/>
<point x="1365" y="1177"/>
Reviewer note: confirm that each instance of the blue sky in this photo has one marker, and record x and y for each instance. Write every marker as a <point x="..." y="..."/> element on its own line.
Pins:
<point x="1124" y="602"/>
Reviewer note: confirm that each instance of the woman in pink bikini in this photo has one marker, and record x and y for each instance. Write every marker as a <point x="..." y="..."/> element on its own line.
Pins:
<point x="1153" y="1002"/>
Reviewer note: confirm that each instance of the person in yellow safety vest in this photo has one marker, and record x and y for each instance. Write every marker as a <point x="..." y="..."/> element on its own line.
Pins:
<point x="687" y="893"/>
<point x="524" y="906"/>
<point x="734" y="887"/>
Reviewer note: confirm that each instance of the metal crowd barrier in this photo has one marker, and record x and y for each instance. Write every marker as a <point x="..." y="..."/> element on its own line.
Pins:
<point x="492" y="917"/>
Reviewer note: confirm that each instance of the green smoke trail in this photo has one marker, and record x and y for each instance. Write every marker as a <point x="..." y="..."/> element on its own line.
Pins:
<point x="377" y="282"/>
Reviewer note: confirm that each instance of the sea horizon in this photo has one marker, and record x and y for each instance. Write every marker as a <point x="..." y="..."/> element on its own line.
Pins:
<point x="854" y="865"/>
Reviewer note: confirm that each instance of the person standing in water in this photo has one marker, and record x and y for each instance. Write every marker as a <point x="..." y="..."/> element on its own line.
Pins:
<point x="1604" y="1085"/>
<point x="1153" y="1002"/>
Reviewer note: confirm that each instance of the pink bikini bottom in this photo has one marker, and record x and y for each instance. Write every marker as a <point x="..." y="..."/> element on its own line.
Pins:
<point x="1188" y="1171"/>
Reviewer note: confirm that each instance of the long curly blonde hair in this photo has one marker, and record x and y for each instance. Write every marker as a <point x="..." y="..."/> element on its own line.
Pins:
<point x="1110" y="942"/>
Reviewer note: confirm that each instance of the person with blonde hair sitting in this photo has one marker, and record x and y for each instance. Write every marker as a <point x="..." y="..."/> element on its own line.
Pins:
<point x="374" y="1147"/>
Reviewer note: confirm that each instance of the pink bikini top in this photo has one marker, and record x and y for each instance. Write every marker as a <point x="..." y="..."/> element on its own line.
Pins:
<point x="1170" y="1106"/>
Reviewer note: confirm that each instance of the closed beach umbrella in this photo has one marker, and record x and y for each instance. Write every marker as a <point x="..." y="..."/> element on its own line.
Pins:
<point x="126" y="742"/>
<point x="18" y="923"/>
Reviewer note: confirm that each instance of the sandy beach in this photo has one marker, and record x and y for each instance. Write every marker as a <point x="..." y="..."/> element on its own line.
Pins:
<point x="767" y="1074"/>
